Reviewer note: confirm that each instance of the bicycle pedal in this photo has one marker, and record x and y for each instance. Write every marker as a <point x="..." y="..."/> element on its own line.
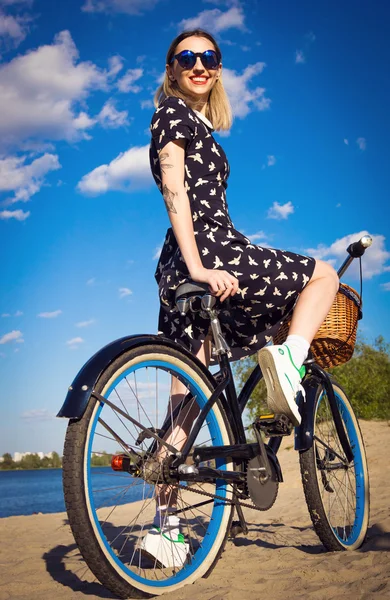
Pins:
<point x="274" y="425"/>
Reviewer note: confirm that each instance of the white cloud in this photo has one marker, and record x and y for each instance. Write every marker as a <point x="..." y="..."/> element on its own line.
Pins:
<point x="12" y="336"/>
<point x="157" y="253"/>
<point x="5" y="315"/>
<point x="74" y="343"/>
<point x="300" y="55"/>
<point x="123" y="292"/>
<point x="129" y="7"/>
<point x="215" y="20"/>
<point x="386" y="286"/>
<point x="280" y="211"/>
<point x="23" y="179"/>
<point x="147" y="104"/>
<point x="41" y="92"/>
<point x="346" y="142"/>
<point x="37" y="414"/>
<point x="115" y="64"/>
<point x="111" y="118"/>
<point x="125" y="84"/>
<point x="271" y="161"/>
<point x="259" y="235"/>
<point x="85" y="323"/>
<point x="243" y="99"/>
<point x="362" y="143"/>
<point x="18" y="313"/>
<point x="129" y="171"/>
<point x="50" y="315"/>
<point x="13" y="31"/>
<point x="374" y="259"/>
<point x="18" y="215"/>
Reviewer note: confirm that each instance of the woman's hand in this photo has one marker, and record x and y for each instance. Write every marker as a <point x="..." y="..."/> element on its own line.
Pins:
<point x="222" y="284"/>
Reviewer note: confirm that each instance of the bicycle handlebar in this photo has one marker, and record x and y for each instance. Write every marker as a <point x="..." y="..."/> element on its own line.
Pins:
<point x="355" y="250"/>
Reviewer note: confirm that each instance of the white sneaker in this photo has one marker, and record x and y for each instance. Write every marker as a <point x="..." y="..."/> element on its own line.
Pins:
<point x="168" y="552"/>
<point x="283" y="381"/>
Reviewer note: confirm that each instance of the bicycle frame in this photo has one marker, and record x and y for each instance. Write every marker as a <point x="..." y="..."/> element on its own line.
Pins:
<point x="234" y="406"/>
<point x="224" y="389"/>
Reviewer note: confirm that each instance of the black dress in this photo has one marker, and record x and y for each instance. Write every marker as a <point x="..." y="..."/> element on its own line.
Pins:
<point x="269" y="279"/>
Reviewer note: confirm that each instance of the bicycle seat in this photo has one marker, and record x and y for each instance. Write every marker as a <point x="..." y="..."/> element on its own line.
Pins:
<point x="186" y="294"/>
<point x="191" y="289"/>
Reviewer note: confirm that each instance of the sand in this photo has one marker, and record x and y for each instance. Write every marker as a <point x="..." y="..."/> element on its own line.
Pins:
<point x="280" y="557"/>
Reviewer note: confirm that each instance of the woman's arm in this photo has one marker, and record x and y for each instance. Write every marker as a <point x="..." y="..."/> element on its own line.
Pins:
<point x="177" y="203"/>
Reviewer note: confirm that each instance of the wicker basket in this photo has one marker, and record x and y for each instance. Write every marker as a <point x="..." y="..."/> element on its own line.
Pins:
<point x="335" y="340"/>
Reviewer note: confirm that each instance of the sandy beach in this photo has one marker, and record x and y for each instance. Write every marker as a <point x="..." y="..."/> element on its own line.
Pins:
<point x="280" y="557"/>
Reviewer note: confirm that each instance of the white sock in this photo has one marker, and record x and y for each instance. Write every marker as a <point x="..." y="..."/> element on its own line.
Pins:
<point x="167" y="522"/>
<point x="299" y="348"/>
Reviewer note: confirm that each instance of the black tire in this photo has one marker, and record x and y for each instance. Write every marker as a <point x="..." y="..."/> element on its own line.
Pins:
<point x="80" y="506"/>
<point x="337" y="497"/>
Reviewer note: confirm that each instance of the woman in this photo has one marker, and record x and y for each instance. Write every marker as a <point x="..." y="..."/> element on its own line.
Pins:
<point x="262" y="284"/>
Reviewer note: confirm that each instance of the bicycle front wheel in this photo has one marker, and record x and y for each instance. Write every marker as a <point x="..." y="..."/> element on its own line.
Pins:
<point x="110" y="512"/>
<point x="337" y="493"/>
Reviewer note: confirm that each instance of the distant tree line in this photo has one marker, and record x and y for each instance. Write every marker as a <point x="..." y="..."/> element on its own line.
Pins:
<point x="365" y="378"/>
<point x="33" y="461"/>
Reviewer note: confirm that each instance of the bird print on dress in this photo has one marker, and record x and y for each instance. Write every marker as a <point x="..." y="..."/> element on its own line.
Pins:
<point x="269" y="279"/>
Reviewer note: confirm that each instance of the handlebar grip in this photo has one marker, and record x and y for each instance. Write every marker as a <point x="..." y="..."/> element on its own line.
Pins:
<point x="357" y="249"/>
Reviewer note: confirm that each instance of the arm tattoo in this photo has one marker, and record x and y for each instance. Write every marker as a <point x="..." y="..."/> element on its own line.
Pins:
<point x="168" y="199"/>
<point x="163" y="166"/>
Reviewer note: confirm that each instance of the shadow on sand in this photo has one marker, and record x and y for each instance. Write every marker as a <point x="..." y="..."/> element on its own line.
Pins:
<point x="377" y="539"/>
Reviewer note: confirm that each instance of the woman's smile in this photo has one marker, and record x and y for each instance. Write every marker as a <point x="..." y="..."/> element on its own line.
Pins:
<point x="199" y="79"/>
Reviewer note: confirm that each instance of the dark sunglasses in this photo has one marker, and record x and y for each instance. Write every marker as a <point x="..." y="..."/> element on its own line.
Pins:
<point x="187" y="59"/>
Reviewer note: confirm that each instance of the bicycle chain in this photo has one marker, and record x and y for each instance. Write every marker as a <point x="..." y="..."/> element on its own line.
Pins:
<point x="227" y="501"/>
<point x="166" y="470"/>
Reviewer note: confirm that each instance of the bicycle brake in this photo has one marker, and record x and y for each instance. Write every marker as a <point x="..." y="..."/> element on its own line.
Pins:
<point x="144" y="435"/>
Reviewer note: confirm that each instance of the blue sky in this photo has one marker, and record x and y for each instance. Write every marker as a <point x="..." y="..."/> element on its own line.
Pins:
<point x="81" y="219"/>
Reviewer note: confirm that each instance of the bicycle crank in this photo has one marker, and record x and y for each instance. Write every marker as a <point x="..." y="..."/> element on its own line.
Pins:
<point x="262" y="487"/>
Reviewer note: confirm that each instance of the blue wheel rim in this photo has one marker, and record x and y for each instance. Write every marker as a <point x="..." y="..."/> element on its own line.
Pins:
<point x="221" y="487"/>
<point x="359" y="473"/>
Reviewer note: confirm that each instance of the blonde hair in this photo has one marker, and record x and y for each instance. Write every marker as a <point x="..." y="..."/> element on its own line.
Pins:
<point x="218" y="109"/>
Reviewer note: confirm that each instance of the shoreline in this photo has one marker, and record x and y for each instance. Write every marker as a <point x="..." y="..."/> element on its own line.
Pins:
<point x="49" y="468"/>
<point x="38" y="469"/>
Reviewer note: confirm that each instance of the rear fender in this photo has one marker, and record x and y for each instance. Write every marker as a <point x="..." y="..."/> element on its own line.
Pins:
<point x="80" y="391"/>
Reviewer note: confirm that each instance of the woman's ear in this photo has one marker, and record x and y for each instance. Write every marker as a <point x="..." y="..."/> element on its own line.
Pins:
<point x="169" y="73"/>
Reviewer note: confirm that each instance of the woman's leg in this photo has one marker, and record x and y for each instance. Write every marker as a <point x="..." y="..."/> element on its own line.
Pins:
<point x="167" y="495"/>
<point x="314" y="301"/>
<point x="282" y="365"/>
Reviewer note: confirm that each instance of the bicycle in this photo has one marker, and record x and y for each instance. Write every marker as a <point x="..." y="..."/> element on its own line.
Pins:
<point x="114" y="401"/>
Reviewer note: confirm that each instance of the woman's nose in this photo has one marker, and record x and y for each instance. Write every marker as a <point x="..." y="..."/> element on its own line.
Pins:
<point x="198" y="65"/>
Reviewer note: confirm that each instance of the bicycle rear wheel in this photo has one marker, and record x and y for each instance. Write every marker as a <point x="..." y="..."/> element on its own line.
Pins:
<point x="337" y="493"/>
<point x="111" y="511"/>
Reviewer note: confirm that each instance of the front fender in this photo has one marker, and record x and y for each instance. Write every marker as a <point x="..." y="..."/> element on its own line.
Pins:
<point x="305" y="431"/>
<point x="79" y="392"/>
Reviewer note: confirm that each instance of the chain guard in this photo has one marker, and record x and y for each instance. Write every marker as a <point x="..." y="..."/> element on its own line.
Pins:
<point x="263" y="491"/>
